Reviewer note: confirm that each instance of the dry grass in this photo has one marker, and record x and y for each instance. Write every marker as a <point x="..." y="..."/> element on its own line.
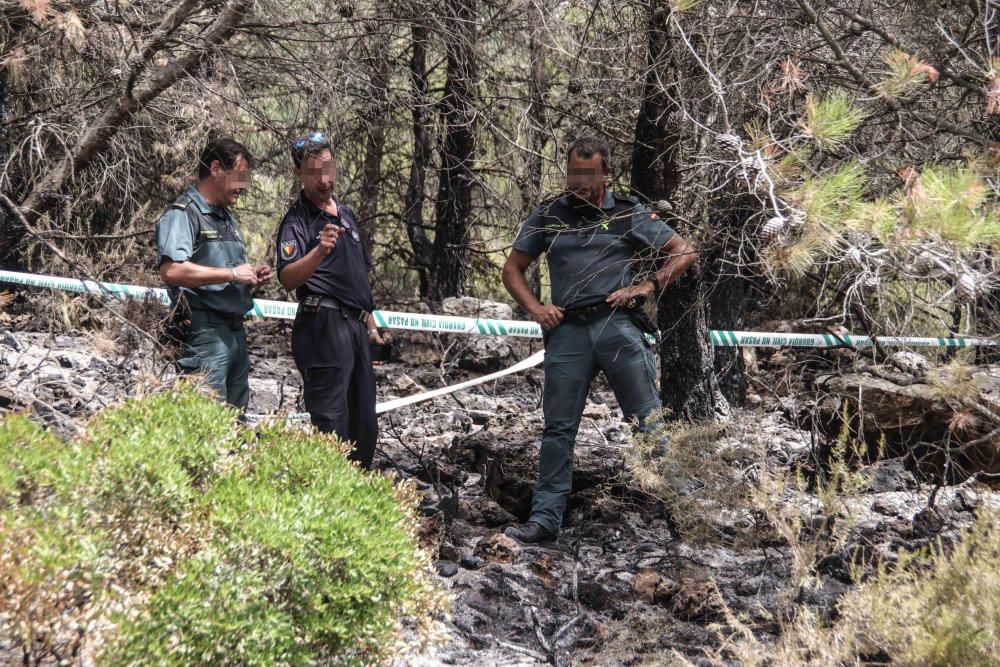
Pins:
<point x="717" y="462"/>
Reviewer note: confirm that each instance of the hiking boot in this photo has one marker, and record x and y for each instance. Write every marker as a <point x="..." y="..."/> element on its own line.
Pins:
<point x="530" y="533"/>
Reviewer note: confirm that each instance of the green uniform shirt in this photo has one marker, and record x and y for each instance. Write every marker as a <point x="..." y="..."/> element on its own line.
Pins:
<point x="192" y="230"/>
<point x="592" y="252"/>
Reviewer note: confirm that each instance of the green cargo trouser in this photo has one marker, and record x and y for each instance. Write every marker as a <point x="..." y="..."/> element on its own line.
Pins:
<point x="219" y="351"/>
<point x="574" y="353"/>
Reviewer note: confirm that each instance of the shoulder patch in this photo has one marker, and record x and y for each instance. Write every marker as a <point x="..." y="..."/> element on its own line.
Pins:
<point x="182" y="202"/>
<point x="289" y="249"/>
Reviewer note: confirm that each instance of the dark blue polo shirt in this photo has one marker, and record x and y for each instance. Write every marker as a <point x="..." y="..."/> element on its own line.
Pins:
<point x="343" y="274"/>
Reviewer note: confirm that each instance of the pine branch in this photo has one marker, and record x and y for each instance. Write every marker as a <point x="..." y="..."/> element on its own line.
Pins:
<point x="891" y="102"/>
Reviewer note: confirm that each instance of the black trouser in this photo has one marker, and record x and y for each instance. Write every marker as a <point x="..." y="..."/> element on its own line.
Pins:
<point x="332" y="354"/>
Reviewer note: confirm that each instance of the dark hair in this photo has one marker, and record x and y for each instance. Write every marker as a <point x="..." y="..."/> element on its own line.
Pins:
<point x="227" y="151"/>
<point x="586" y="146"/>
<point x="310" y="146"/>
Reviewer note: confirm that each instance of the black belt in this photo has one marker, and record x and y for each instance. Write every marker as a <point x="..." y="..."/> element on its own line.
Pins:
<point x="317" y="301"/>
<point x="587" y="313"/>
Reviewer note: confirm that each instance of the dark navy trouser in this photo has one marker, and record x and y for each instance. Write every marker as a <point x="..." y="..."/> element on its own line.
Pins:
<point x="332" y="354"/>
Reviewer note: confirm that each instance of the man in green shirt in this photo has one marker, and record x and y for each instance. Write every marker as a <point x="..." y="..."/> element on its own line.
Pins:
<point x="606" y="253"/>
<point x="202" y="259"/>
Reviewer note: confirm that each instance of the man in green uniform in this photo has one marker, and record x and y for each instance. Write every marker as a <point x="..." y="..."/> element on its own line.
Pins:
<point x="606" y="254"/>
<point x="203" y="261"/>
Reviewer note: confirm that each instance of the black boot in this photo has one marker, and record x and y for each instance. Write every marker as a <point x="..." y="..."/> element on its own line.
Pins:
<point x="530" y="533"/>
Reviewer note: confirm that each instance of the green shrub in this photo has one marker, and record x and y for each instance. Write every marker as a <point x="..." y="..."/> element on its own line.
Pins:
<point x="169" y="534"/>
<point x="329" y="539"/>
<point x="211" y="612"/>
<point x="37" y="465"/>
<point x="160" y="451"/>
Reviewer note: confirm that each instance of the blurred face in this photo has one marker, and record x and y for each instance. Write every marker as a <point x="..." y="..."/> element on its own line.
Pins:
<point x="318" y="175"/>
<point x="230" y="183"/>
<point x="585" y="177"/>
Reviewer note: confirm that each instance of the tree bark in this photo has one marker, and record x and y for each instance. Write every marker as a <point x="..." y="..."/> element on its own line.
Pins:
<point x="688" y="385"/>
<point x="8" y="225"/>
<point x="537" y="137"/>
<point x="371" y="167"/>
<point x="655" y="159"/>
<point x="413" y="200"/>
<point x="456" y="178"/>
<point x="727" y="306"/>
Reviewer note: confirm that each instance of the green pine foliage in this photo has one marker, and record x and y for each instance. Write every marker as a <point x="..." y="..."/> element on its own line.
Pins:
<point x="831" y="118"/>
<point x="951" y="204"/>
<point x="832" y="197"/>
<point x="169" y="534"/>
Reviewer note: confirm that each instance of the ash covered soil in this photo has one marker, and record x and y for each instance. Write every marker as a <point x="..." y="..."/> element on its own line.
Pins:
<point x="629" y="581"/>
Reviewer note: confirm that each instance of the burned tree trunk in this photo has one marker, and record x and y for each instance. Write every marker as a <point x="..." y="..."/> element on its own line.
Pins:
<point x="9" y="227"/>
<point x="413" y="200"/>
<point x="655" y="159"/>
<point x="375" y="116"/>
<point x="456" y="179"/>
<point x="538" y="138"/>
<point x="727" y="295"/>
<point x="688" y="384"/>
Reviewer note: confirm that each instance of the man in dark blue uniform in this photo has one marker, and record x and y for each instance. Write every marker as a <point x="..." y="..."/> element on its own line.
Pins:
<point x="322" y="257"/>
<point x="202" y="260"/>
<point x="606" y="254"/>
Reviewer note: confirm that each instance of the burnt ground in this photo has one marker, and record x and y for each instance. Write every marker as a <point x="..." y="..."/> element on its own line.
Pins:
<point x="621" y="586"/>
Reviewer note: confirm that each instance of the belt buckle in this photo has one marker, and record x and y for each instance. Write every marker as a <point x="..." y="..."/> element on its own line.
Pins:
<point x="630" y="304"/>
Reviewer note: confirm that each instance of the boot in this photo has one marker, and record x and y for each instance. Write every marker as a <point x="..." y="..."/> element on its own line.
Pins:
<point x="530" y="533"/>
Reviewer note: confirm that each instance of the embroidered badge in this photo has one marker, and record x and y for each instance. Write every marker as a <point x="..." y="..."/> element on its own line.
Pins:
<point x="354" y="233"/>
<point x="288" y="249"/>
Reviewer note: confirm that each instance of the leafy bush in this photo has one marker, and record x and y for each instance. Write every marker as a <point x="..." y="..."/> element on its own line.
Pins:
<point x="170" y="534"/>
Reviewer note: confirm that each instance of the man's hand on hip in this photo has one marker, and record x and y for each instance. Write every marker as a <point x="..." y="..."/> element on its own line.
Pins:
<point x="620" y="298"/>
<point x="548" y="317"/>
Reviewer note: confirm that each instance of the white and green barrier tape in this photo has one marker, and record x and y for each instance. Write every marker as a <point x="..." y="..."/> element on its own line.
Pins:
<point x="764" y="339"/>
<point x="490" y="327"/>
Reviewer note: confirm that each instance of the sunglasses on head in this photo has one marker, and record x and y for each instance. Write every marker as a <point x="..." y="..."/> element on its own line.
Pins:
<point x="315" y="137"/>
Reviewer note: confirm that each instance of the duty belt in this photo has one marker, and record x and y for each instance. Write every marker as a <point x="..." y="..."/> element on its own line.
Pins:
<point x="587" y="313"/>
<point x="359" y="314"/>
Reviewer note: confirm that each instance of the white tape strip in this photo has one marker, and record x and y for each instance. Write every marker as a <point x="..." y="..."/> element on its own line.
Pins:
<point x="488" y="327"/>
<point x="397" y="403"/>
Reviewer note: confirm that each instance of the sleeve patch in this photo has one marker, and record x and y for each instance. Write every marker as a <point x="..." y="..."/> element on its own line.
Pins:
<point x="289" y="249"/>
